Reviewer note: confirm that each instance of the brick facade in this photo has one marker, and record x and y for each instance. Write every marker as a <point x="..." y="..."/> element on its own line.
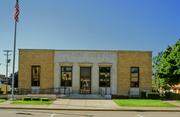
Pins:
<point x="44" y="58"/>
<point x="123" y="62"/>
<point x="128" y="59"/>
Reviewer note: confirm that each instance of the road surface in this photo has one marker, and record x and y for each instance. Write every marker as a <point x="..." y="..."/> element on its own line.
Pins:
<point x="60" y="113"/>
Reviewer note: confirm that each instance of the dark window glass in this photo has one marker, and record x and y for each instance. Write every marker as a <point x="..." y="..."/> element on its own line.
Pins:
<point x="35" y="75"/>
<point x="85" y="80"/>
<point x="66" y="76"/>
<point x="134" y="77"/>
<point x="104" y="76"/>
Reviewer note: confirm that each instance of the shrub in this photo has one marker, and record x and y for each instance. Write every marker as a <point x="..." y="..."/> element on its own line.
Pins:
<point x="27" y="99"/>
<point x="119" y="97"/>
<point x="167" y="95"/>
<point x="143" y="95"/>
<point x="172" y="96"/>
<point x="175" y="96"/>
<point x="152" y="95"/>
<point x="36" y="99"/>
<point x="44" y="99"/>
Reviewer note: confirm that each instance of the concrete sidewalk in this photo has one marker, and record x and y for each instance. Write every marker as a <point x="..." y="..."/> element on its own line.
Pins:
<point x="174" y="102"/>
<point x="85" y="105"/>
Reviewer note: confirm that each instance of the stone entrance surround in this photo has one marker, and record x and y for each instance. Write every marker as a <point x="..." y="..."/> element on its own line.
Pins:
<point x="78" y="59"/>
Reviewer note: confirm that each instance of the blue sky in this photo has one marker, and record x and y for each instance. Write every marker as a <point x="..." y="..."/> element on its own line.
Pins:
<point x="90" y="24"/>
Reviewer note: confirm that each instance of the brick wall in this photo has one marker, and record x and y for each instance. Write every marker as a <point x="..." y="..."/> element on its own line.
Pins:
<point x="128" y="59"/>
<point x="44" y="58"/>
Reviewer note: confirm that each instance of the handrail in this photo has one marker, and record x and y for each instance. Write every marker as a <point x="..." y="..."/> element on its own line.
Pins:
<point x="57" y="91"/>
<point x="102" y="91"/>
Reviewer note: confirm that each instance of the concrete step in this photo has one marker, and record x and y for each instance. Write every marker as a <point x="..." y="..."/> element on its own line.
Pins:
<point x="83" y="96"/>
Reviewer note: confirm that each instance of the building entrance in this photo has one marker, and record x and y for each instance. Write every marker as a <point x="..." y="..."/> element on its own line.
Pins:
<point x="85" y="80"/>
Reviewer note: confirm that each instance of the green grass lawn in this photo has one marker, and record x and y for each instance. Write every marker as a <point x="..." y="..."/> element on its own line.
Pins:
<point x="32" y="102"/>
<point x="2" y="100"/>
<point x="142" y="103"/>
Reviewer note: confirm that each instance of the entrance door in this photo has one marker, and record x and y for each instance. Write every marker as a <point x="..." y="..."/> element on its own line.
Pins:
<point x="85" y="80"/>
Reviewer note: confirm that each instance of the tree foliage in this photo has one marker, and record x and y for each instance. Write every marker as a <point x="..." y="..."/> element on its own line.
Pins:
<point x="167" y="66"/>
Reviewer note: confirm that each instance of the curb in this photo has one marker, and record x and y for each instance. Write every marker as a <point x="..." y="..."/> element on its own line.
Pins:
<point x="65" y="109"/>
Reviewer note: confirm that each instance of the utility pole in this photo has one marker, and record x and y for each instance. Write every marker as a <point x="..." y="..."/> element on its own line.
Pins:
<point x="7" y="60"/>
<point x="7" y="54"/>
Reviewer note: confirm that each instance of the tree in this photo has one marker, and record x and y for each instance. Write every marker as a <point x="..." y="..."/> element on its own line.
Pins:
<point x="167" y="66"/>
<point x="158" y="82"/>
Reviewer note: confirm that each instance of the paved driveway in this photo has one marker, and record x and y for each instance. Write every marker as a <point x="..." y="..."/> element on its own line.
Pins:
<point x="84" y="104"/>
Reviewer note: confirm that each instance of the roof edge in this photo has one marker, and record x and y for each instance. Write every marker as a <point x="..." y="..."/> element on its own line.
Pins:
<point x="86" y="50"/>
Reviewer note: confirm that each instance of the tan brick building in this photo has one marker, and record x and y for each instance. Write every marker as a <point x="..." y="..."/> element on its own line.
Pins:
<point x="108" y="72"/>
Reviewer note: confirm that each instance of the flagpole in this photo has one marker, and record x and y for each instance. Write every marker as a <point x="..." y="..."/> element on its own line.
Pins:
<point x="14" y="57"/>
<point x="16" y="18"/>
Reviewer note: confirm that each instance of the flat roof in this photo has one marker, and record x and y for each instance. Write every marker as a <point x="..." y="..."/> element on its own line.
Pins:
<point x="86" y="50"/>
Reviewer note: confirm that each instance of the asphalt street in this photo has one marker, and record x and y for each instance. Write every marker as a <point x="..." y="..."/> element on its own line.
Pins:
<point x="60" y="113"/>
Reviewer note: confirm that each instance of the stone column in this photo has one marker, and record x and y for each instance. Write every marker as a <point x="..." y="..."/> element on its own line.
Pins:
<point x="57" y="75"/>
<point x="114" y="79"/>
<point x="95" y="79"/>
<point x="76" y="78"/>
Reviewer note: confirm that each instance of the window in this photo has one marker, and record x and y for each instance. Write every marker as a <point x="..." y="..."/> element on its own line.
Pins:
<point x="35" y="75"/>
<point x="134" y="77"/>
<point x="66" y="76"/>
<point x="104" y="76"/>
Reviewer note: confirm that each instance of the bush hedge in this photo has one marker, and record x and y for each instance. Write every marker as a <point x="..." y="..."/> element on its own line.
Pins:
<point x="119" y="97"/>
<point x="27" y="99"/>
<point x="172" y="96"/>
<point x="152" y="95"/>
<point x="44" y="99"/>
<point x="143" y="95"/>
<point x="35" y="99"/>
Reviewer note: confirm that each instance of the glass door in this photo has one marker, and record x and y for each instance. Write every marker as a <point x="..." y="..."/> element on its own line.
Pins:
<point x="85" y="80"/>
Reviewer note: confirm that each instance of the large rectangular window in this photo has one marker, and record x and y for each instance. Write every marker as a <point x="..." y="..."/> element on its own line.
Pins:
<point x="104" y="76"/>
<point x="35" y="75"/>
<point x="134" y="72"/>
<point x="66" y="76"/>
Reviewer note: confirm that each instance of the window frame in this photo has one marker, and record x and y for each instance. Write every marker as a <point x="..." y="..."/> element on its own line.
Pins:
<point x="131" y="77"/>
<point x="32" y="75"/>
<point x="109" y="83"/>
<point x="64" y="82"/>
